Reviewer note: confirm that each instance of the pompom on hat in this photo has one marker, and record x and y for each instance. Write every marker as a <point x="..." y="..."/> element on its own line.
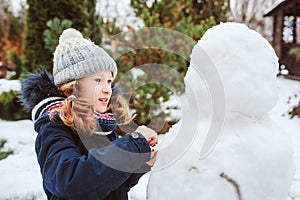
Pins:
<point x="76" y="57"/>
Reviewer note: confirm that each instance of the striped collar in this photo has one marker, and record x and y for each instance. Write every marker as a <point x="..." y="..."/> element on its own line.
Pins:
<point x="46" y="105"/>
<point x="107" y="121"/>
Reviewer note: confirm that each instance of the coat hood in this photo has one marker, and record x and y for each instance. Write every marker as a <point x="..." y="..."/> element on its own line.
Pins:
<point x="37" y="87"/>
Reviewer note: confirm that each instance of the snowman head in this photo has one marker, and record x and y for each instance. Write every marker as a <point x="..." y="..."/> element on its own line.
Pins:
<point x="247" y="66"/>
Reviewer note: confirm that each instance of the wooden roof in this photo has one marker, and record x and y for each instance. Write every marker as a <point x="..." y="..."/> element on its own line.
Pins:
<point x="280" y="5"/>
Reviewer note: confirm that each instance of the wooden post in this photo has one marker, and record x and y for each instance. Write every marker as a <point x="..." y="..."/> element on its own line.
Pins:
<point x="294" y="29"/>
<point x="278" y="32"/>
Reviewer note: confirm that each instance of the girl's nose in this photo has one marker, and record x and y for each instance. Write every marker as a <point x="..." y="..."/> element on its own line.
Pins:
<point x="106" y="89"/>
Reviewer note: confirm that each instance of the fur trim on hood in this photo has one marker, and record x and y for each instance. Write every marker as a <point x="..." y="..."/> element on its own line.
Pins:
<point x="37" y="87"/>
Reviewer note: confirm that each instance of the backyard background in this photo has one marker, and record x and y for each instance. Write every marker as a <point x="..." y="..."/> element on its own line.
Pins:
<point x="29" y="32"/>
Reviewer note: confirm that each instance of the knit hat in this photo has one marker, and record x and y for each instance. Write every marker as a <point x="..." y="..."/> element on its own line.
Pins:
<point x="76" y="57"/>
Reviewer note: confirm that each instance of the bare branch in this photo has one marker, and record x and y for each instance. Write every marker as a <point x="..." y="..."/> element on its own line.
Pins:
<point x="234" y="183"/>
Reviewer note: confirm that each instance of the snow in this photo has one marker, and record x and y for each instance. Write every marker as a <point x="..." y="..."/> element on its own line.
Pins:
<point x="8" y="85"/>
<point x="288" y="97"/>
<point x="16" y="6"/>
<point x="273" y="6"/>
<point x="259" y="146"/>
<point x="120" y="11"/>
<point x="253" y="149"/>
<point x="21" y="177"/>
<point x="20" y="174"/>
<point x="252" y="90"/>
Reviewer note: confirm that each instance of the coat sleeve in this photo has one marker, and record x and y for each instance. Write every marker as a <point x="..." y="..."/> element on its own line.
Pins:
<point x="69" y="174"/>
<point x="133" y="180"/>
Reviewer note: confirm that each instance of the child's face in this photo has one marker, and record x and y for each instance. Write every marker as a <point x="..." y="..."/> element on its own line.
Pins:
<point x="96" y="89"/>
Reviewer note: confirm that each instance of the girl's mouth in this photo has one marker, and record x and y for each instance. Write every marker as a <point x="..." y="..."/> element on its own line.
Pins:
<point x="103" y="100"/>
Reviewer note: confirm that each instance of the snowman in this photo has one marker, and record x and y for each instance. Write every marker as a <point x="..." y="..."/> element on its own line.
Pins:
<point x="225" y="146"/>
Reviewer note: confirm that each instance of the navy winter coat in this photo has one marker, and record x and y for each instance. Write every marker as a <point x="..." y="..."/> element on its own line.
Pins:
<point x="69" y="171"/>
<point x="76" y="171"/>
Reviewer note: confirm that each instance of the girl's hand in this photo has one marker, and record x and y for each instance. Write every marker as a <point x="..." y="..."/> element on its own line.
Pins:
<point x="149" y="134"/>
<point x="153" y="158"/>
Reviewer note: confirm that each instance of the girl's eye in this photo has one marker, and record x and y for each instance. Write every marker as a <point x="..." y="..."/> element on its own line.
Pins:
<point x="98" y="80"/>
<point x="109" y="81"/>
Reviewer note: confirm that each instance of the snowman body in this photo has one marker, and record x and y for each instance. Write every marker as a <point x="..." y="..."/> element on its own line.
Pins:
<point x="252" y="158"/>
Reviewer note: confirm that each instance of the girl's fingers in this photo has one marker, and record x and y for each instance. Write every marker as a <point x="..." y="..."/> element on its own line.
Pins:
<point x="153" y="141"/>
<point x="155" y="153"/>
<point x="153" y="158"/>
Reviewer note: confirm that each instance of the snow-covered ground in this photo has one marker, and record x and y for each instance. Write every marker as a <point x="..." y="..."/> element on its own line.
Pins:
<point x="20" y="175"/>
<point x="259" y="148"/>
<point x="289" y="95"/>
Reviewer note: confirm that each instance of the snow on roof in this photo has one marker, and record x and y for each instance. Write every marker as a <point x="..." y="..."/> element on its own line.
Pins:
<point x="277" y="3"/>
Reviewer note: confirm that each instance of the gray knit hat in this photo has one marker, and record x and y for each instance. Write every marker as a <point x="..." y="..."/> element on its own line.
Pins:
<point x="76" y="57"/>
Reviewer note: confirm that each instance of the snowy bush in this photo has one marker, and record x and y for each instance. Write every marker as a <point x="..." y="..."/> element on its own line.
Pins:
<point x="4" y="154"/>
<point x="10" y="105"/>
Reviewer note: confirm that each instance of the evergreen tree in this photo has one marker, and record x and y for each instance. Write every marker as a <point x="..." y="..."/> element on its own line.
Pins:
<point x="93" y="27"/>
<point x="190" y="17"/>
<point x="219" y="9"/>
<point x="54" y="28"/>
<point x="39" y="12"/>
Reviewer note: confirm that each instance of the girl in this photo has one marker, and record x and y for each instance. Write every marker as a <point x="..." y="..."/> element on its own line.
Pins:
<point x="78" y="150"/>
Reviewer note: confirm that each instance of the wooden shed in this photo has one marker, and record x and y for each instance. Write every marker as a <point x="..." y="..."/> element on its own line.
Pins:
<point x="286" y="33"/>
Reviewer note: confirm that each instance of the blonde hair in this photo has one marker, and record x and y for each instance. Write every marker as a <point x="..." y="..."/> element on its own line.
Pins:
<point x="79" y="115"/>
